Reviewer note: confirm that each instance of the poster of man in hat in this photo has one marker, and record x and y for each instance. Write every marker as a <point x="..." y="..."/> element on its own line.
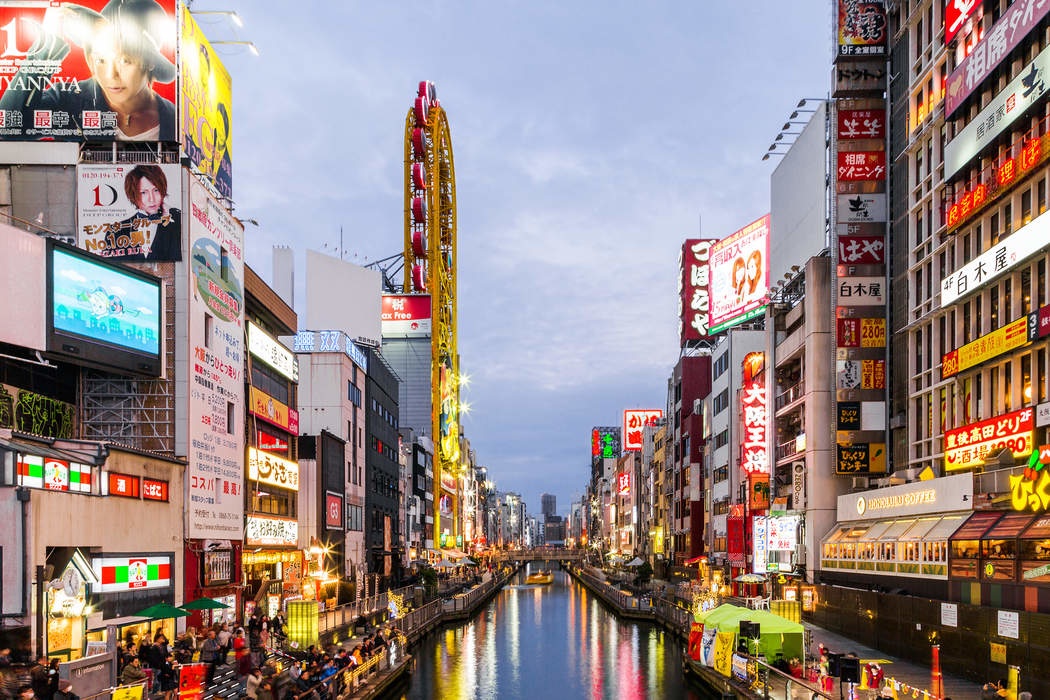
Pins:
<point x="89" y="70"/>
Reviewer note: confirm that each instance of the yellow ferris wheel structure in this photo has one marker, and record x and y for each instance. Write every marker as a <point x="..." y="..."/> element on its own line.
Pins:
<point x="430" y="268"/>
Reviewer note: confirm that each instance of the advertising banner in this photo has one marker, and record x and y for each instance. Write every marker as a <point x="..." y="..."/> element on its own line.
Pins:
<point x="1005" y="108"/>
<point x="52" y="474"/>
<point x="215" y="468"/>
<point x="1009" y="337"/>
<point x="862" y="28"/>
<point x="130" y="213"/>
<point x="971" y="444"/>
<point x="1009" y="251"/>
<point x="207" y="104"/>
<point x="1004" y="36"/>
<point x="694" y="290"/>
<point x="739" y="275"/>
<point x="270" y="409"/>
<point x="783" y="533"/>
<point x="406" y="315"/>
<point x="53" y="80"/>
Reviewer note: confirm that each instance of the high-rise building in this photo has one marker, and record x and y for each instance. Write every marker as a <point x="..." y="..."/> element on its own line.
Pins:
<point x="548" y="505"/>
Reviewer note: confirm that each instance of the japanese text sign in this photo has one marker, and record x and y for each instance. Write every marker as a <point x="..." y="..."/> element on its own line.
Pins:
<point x="694" y="287"/>
<point x="971" y="444"/>
<point x="634" y="420"/>
<point x="1004" y="36"/>
<point x="754" y="452"/>
<point x="993" y="262"/>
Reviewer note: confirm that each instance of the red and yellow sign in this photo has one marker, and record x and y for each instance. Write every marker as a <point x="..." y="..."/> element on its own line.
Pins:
<point x="971" y="444"/>
<point x="272" y="410"/>
<point x="1009" y="337"/>
<point x="754" y="454"/>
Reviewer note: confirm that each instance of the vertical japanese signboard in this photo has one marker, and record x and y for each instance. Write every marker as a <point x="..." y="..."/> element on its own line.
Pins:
<point x="859" y="250"/>
<point x="215" y="462"/>
<point x="754" y="452"/>
<point x="694" y="290"/>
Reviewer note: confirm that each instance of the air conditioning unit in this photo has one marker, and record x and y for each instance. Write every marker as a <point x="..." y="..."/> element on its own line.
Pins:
<point x="860" y="482"/>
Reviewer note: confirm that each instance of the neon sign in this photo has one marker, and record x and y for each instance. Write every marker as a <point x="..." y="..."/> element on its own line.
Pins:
<point x="754" y="454"/>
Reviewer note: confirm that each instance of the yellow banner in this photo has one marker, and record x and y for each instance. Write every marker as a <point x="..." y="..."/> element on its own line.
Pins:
<point x="1010" y="337"/>
<point x="723" y="661"/>
<point x="128" y="692"/>
<point x="265" y="406"/>
<point x="206" y="107"/>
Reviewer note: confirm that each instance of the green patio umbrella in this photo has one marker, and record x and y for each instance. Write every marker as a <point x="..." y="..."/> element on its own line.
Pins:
<point x="161" y="611"/>
<point x="204" y="604"/>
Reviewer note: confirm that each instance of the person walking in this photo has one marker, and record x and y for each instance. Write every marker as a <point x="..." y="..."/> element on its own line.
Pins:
<point x="210" y="655"/>
<point x="223" y="637"/>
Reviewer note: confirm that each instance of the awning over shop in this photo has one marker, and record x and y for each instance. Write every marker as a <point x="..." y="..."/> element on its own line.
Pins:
<point x="976" y="525"/>
<point x="1009" y="526"/>
<point x="1039" y="529"/>
<point x="919" y="530"/>
<point x="896" y="529"/>
<point x="926" y="528"/>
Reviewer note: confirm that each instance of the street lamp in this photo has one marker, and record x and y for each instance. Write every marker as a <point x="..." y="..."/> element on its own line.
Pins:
<point x="234" y="17"/>
<point x="250" y="44"/>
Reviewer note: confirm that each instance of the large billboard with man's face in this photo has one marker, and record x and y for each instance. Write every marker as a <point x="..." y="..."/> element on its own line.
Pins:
<point x="91" y="70"/>
<point x="740" y="275"/>
<point x="206" y="107"/>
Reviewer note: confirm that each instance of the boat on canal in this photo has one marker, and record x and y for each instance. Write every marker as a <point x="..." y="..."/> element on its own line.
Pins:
<point x="543" y="576"/>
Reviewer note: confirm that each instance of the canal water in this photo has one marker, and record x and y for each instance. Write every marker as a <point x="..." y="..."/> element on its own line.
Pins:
<point x="547" y="642"/>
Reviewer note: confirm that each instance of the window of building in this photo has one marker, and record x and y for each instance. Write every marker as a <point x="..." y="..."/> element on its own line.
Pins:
<point x="209" y="328"/>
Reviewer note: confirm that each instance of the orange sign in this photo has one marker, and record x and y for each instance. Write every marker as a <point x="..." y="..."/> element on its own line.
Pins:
<point x="272" y="410"/>
<point x="969" y="445"/>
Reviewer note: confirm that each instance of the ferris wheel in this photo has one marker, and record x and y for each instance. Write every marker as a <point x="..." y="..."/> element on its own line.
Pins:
<point x="430" y="258"/>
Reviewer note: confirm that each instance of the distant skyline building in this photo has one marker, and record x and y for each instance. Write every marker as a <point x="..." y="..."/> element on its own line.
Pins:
<point x="548" y="505"/>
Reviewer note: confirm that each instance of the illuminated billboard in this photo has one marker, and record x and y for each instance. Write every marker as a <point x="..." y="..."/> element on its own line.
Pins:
<point x="54" y="85"/>
<point x="605" y="443"/>
<point x="956" y="12"/>
<point x="206" y="92"/>
<point x="1005" y="35"/>
<point x="970" y="445"/>
<point x="862" y="28"/>
<point x="634" y="421"/>
<point x="102" y="314"/>
<point x="694" y="290"/>
<point x="130" y="213"/>
<point x="754" y="453"/>
<point x="406" y="315"/>
<point x="740" y="275"/>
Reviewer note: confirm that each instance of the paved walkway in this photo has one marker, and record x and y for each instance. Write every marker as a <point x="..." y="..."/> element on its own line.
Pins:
<point x="914" y="675"/>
